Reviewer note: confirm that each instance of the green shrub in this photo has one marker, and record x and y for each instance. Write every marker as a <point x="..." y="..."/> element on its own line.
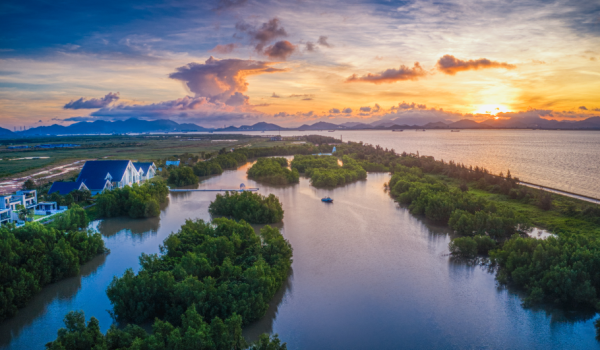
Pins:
<point x="250" y="207"/>
<point x="137" y="201"/>
<point x="182" y="176"/>
<point x="273" y="171"/>
<point x="464" y="247"/>
<point x="35" y="255"/>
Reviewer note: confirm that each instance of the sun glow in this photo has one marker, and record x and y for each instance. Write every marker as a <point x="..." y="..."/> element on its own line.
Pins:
<point x="491" y="109"/>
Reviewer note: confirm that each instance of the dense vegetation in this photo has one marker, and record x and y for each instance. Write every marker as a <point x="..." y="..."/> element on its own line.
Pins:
<point x="324" y="171"/>
<point x="248" y="206"/>
<point x="137" y="201"/>
<point x="208" y="281"/>
<point x="273" y="171"/>
<point x="563" y="270"/>
<point x="466" y="214"/>
<point x="182" y="176"/>
<point x="488" y="211"/>
<point x="34" y="255"/>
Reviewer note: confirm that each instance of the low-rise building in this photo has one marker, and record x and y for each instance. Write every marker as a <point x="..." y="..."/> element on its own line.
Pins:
<point x="12" y="204"/>
<point x="98" y="176"/>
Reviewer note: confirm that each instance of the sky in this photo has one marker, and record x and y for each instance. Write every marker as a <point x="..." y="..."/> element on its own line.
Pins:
<point x="239" y="62"/>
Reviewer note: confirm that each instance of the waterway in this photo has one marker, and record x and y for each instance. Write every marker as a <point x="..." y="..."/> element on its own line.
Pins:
<point x="366" y="275"/>
<point x="562" y="159"/>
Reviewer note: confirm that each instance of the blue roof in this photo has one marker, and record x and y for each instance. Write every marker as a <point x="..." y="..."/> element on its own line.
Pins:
<point x="172" y="162"/>
<point x="64" y="188"/>
<point x="144" y="166"/>
<point x="93" y="174"/>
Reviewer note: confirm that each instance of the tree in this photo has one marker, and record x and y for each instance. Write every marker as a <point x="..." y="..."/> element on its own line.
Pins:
<point x="30" y="184"/>
<point x="544" y="200"/>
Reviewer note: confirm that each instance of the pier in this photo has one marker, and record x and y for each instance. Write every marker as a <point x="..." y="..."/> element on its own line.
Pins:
<point x="213" y="190"/>
<point x="242" y="188"/>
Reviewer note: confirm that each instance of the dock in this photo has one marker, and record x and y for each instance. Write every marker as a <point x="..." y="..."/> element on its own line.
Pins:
<point x="215" y="190"/>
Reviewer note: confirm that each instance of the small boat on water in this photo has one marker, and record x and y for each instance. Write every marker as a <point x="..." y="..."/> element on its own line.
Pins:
<point x="327" y="200"/>
<point x="394" y="130"/>
<point x="454" y="130"/>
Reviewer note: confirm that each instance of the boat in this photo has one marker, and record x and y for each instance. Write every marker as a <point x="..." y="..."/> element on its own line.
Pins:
<point x="396" y="130"/>
<point x="454" y="130"/>
<point x="327" y="200"/>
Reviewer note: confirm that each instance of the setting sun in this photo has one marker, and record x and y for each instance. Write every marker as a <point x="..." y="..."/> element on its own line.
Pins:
<point x="491" y="109"/>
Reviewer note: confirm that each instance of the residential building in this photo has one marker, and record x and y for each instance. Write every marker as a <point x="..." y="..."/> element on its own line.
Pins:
<point x="146" y="170"/>
<point x="11" y="205"/>
<point x="64" y="188"/>
<point x="98" y="176"/>
<point x="172" y="163"/>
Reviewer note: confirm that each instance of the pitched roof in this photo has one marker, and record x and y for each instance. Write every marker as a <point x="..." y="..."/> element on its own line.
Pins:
<point x="93" y="173"/>
<point x="96" y="184"/>
<point x="144" y="166"/>
<point x="64" y="188"/>
<point x="172" y="162"/>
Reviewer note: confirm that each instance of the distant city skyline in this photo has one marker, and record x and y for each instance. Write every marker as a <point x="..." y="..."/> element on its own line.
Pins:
<point x="239" y="62"/>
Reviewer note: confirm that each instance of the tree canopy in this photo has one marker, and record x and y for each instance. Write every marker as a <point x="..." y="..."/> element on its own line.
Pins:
<point x="273" y="171"/>
<point x="248" y="206"/>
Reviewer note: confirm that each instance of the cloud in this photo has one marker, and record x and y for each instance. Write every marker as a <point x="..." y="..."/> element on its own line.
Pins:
<point x="583" y="108"/>
<point x="302" y="95"/>
<point x="224" y="49"/>
<point x="404" y="105"/>
<point x="365" y="109"/>
<point x="596" y="109"/>
<point x="451" y="65"/>
<point x="323" y="41"/>
<point x="229" y="4"/>
<point x="391" y="75"/>
<point x="281" y="50"/>
<point x="310" y="47"/>
<point x="334" y="111"/>
<point x="188" y="108"/>
<point x="275" y="96"/>
<point x="75" y="119"/>
<point x="92" y="103"/>
<point x="263" y="35"/>
<point x="347" y="110"/>
<point x="282" y="115"/>
<point x="220" y="80"/>
<point x="237" y="99"/>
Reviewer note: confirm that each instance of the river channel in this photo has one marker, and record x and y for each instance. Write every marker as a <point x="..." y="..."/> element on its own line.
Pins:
<point x="366" y="275"/>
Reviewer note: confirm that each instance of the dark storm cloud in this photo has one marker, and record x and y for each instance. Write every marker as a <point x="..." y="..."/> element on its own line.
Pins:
<point x="83" y="103"/>
<point x="263" y="35"/>
<point x="451" y="65"/>
<point x="323" y="41"/>
<point x="281" y="50"/>
<point x="391" y="75"/>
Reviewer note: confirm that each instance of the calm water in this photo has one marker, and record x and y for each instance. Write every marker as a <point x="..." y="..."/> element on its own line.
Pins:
<point x="366" y="274"/>
<point x="567" y="160"/>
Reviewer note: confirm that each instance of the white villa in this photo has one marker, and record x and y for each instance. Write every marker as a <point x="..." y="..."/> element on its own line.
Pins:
<point x="11" y="204"/>
<point x="98" y="176"/>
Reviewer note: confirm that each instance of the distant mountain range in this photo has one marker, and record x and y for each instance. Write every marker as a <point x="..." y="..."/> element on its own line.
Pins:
<point x="163" y="125"/>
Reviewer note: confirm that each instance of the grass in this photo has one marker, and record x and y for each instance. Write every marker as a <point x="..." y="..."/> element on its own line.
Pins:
<point x="555" y="220"/>
<point x="139" y="147"/>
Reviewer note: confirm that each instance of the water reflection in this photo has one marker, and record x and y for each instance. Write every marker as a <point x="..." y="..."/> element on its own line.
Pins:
<point x="113" y="226"/>
<point x="366" y="274"/>
<point x="63" y="291"/>
<point x="265" y="324"/>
